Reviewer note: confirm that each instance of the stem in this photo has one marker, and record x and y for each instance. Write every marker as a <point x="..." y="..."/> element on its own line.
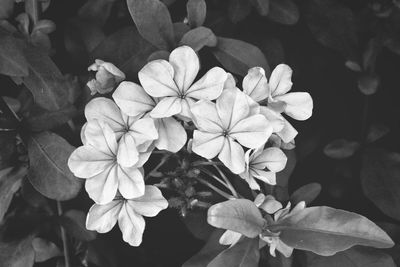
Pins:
<point x="216" y="189"/>
<point x="64" y="238"/>
<point x="226" y="181"/>
<point x="163" y="160"/>
<point x="32" y="9"/>
<point x="364" y="120"/>
<point x="204" y="163"/>
<point x="215" y="177"/>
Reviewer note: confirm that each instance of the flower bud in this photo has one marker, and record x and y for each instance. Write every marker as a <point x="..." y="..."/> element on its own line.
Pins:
<point x="107" y="77"/>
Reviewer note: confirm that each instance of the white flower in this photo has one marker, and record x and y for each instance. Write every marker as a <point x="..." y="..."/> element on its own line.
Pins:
<point x="98" y="161"/>
<point x="134" y="101"/>
<point x="226" y="125"/>
<point x="173" y="82"/>
<point x="271" y="158"/>
<point x="107" y="77"/>
<point x="129" y="214"/>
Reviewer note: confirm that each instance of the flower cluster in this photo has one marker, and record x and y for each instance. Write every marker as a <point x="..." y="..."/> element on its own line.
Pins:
<point x="244" y="129"/>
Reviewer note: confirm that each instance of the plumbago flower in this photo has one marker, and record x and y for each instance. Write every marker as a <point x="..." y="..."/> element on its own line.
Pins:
<point x="129" y="214"/>
<point x="107" y="77"/>
<point x="224" y="126"/>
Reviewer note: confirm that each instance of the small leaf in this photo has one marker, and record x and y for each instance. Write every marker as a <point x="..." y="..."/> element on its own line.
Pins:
<point x="44" y="249"/>
<point x="196" y="12"/>
<point x="12" y="58"/>
<point x="376" y="132"/>
<point x="96" y="11"/>
<point x="262" y="6"/>
<point x="17" y="254"/>
<point x="368" y="84"/>
<point x="283" y="11"/>
<point x="238" y="10"/>
<point x="326" y="231"/>
<point x="198" y="38"/>
<point x="245" y="253"/>
<point x="48" y="172"/>
<point x="74" y="222"/>
<point x="239" y="215"/>
<point x="238" y="56"/>
<point x="161" y="54"/>
<point x="180" y="29"/>
<point x="307" y="193"/>
<point x="341" y="149"/>
<point x="353" y="65"/>
<point x="153" y="22"/>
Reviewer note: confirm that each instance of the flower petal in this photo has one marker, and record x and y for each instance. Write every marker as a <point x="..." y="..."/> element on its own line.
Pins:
<point x="232" y="106"/>
<point x="205" y="116"/>
<point x="151" y="203"/>
<point x="299" y="105"/>
<point x="255" y="84"/>
<point x="99" y="135"/>
<point x="157" y="80"/>
<point x="86" y="162"/>
<point x="288" y="133"/>
<point x="210" y="86"/>
<point x="252" y="132"/>
<point x="250" y="180"/>
<point x="206" y="144"/>
<point x="102" y="188"/>
<point x="167" y="107"/>
<point x="266" y="177"/>
<point x="171" y="135"/>
<point x="127" y="155"/>
<point x="275" y="119"/>
<point x="132" y="99"/>
<point x="130" y="182"/>
<point x="102" y="218"/>
<point x="132" y="225"/>
<point x="106" y="110"/>
<point x="143" y="130"/>
<point x="144" y="156"/>
<point x="272" y="158"/>
<point x="232" y="156"/>
<point x="186" y="104"/>
<point x="280" y="81"/>
<point x="229" y="238"/>
<point x="270" y="205"/>
<point x="230" y="82"/>
<point x="186" y="66"/>
<point x="117" y="73"/>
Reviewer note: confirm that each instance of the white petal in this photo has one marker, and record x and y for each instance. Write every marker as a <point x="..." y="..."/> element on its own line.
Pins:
<point x="132" y="225"/>
<point x="207" y="145"/>
<point x="229" y="238"/>
<point x="210" y="86"/>
<point x="186" y="104"/>
<point x="232" y="156"/>
<point x="250" y="180"/>
<point x="275" y="119"/>
<point x="272" y="158"/>
<point x="167" y="107"/>
<point x="86" y="162"/>
<point x="111" y="68"/>
<point x="299" y="105"/>
<point x="82" y="134"/>
<point x="132" y="99"/>
<point x="266" y="177"/>
<point x="102" y="188"/>
<point x="284" y="249"/>
<point x="102" y="218"/>
<point x="127" y="155"/>
<point x="130" y="182"/>
<point x="205" y="116"/>
<point x="106" y="110"/>
<point x="186" y="66"/>
<point x="252" y="132"/>
<point x="230" y="82"/>
<point x="99" y="135"/>
<point x="270" y="205"/>
<point x="171" y="135"/>
<point x="255" y="84"/>
<point x="280" y="81"/>
<point x="157" y="80"/>
<point x="144" y="156"/>
<point x="288" y="133"/>
<point x="253" y="105"/>
<point x="143" y="130"/>
<point x="151" y="203"/>
<point x="232" y="106"/>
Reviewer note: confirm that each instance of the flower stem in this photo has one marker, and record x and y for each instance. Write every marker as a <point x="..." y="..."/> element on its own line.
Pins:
<point x="163" y="160"/>
<point x="204" y="163"/>
<point x="226" y="180"/>
<point x="64" y="238"/>
<point x="215" y="177"/>
<point x="216" y="189"/>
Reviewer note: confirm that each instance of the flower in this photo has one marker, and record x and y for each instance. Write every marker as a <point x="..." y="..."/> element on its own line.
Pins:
<point x="272" y="158"/>
<point x="226" y="125"/>
<point x="134" y="101"/>
<point x="98" y="161"/>
<point x="107" y="77"/>
<point x="135" y="136"/>
<point x="173" y="82"/>
<point x="129" y="214"/>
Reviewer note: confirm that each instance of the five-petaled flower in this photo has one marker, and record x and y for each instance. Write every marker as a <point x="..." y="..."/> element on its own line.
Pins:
<point x="129" y="214"/>
<point x="226" y="125"/>
<point x="107" y="77"/>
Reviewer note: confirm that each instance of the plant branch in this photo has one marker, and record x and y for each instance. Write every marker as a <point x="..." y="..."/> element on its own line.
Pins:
<point x="226" y="180"/>
<point x="64" y="238"/>
<point x="162" y="162"/>
<point x="216" y="189"/>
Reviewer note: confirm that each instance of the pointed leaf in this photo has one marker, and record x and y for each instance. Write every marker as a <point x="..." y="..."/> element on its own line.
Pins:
<point x="283" y="11"/>
<point x="12" y="59"/>
<point x="307" y="193"/>
<point x="198" y="38"/>
<point x="17" y="253"/>
<point x="196" y="12"/>
<point x="44" y="249"/>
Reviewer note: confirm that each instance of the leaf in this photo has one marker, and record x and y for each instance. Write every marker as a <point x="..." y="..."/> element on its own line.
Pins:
<point x="307" y="193"/>
<point x="17" y="254"/>
<point x="341" y="149"/>
<point x="354" y="257"/>
<point x="239" y="215"/>
<point x="196" y="12"/>
<point x="8" y="148"/>
<point x="180" y="29"/>
<point x="238" y="10"/>
<point x="153" y="22"/>
<point x="74" y="222"/>
<point x="12" y="59"/>
<point x="198" y="38"/>
<point x="283" y="11"/>
<point x="377" y="131"/>
<point x="262" y="6"/>
<point x="48" y="172"/>
<point x="10" y="182"/>
<point x="238" y="56"/>
<point x="96" y="11"/>
<point x="44" y="249"/>
<point x="6" y="8"/>
<point x="326" y="231"/>
<point x="161" y="54"/>
<point x="245" y="253"/>
<point x="380" y="180"/>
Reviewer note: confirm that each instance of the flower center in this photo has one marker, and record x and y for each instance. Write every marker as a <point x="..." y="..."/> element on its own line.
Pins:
<point x="225" y="133"/>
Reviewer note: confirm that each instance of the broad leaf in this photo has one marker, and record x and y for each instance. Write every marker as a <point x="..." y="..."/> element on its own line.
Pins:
<point x="326" y="231"/>
<point x="198" y="38"/>
<point x="238" y="10"/>
<point x="12" y="58"/>
<point x="17" y="253"/>
<point x="245" y="253"/>
<point x="239" y="215"/>
<point x="283" y="11"/>
<point x="238" y="56"/>
<point x="74" y="223"/>
<point x="48" y="172"/>
<point x="196" y="222"/>
<point x="44" y="249"/>
<point x="341" y="149"/>
<point x="153" y="21"/>
<point x="196" y="12"/>
<point x="307" y="193"/>
<point x="262" y="6"/>
<point x="380" y="180"/>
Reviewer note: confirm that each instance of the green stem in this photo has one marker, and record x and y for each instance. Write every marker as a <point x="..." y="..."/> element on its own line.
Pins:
<point x="214" y="177"/>
<point x="216" y="189"/>
<point x="64" y="238"/>
<point x="226" y="181"/>
<point x="162" y="162"/>
<point x="204" y="163"/>
<point x="364" y="120"/>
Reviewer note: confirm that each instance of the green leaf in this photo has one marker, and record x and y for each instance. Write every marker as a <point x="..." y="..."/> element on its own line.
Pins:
<point x="326" y="231"/>
<point x="354" y="257"/>
<point x="12" y="59"/>
<point x="17" y="253"/>
<point x="49" y="172"/>
<point x="283" y="11"/>
<point x="196" y="222"/>
<point x="239" y="215"/>
<point x="96" y="11"/>
<point x="307" y="193"/>
<point x="6" y="8"/>
<point x="341" y="149"/>
<point x="245" y="253"/>
<point x="380" y="180"/>
<point x="74" y="222"/>
<point x="44" y="249"/>
<point x="238" y="10"/>
<point x="153" y="21"/>
<point x="262" y="6"/>
<point x="376" y="131"/>
<point x="198" y="38"/>
<point x="196" y="12"/>
<point x="238" y="56"/>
